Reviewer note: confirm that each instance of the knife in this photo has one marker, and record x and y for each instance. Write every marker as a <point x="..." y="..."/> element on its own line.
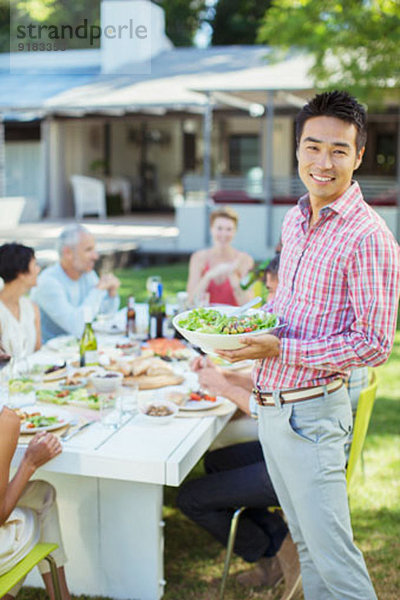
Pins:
<point x="71" y="435"/>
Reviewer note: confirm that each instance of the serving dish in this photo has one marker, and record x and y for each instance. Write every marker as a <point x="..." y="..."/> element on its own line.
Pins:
<point x="210" y="342"/>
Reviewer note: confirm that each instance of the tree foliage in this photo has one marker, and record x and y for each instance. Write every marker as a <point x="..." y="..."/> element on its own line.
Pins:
<point x="182" y="18"/>
<point x="237" y="21"/>
<point x="47" y="12"/>
<point x="355" y="42"/>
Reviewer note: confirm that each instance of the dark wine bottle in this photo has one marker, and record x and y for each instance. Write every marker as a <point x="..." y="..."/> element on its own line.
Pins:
<point x="131" y="317"/>
<point x="156" y="311"/>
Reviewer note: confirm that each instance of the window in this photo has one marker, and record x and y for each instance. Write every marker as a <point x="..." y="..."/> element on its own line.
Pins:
<point x="189" y="152"/>
<point x="244" y="153"/>
<point x="385" y="153"/>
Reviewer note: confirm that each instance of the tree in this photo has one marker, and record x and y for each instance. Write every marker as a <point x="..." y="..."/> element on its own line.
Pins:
<point x="47" y="12"/>
<point x="355" y="42"/>
<point x="182" y="18"/>
<point x="237" y="21"/>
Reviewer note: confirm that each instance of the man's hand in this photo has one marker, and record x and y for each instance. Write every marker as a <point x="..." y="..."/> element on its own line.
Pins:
<point x="41" y="449"/>
<point x="213" y="381"/>
<point x="260" y="346"/>
<point x="210" y="377"/>
<point x="202" y="362"/>
<point x="110" y="283"/>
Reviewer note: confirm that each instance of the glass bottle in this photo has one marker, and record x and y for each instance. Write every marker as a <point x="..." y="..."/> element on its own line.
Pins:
<point x="156" y="311"/>
<point x="131" y="318"/>
<point x="88" y="344"/>
<point x="255" y="274"/>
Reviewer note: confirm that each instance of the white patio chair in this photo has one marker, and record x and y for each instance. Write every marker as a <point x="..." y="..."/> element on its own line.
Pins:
<point x="89" y="196"/>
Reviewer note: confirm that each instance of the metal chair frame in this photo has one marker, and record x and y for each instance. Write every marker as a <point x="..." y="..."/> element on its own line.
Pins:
<point x="20" y="570"/>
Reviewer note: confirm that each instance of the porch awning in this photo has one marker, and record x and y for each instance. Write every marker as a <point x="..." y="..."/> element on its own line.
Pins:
<point x="178" y="79"/>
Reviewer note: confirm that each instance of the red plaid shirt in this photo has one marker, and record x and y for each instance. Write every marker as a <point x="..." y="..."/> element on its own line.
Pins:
<point x="338" y="292"/>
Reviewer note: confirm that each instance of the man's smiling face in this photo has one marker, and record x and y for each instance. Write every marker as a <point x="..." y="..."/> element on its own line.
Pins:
<point x="327" y="156"/>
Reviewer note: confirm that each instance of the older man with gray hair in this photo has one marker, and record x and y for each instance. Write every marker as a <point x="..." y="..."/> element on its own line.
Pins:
<point x="66" y="288"/>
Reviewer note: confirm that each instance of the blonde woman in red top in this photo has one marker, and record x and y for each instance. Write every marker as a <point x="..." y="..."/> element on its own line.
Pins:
<point x="215" y="273"/>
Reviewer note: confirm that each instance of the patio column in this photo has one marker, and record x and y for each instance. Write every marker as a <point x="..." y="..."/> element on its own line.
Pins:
<point x="2" y="159"/>
<point x="207" y="129"/>
<point x="54" y="168"/>
<point x="268" y="165"/>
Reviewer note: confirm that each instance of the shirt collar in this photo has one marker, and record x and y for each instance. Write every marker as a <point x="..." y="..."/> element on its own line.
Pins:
<point x="343" y="206"/>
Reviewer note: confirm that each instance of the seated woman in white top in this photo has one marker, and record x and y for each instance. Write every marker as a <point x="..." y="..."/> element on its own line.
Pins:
<point x="28" y="510"/>
<point x="19" y="317"/>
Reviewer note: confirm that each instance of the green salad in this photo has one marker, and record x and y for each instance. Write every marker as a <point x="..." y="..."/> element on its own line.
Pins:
<point x="209" y="320"/>
<point x="36" y="421"/>
<point x="79" y="397"/>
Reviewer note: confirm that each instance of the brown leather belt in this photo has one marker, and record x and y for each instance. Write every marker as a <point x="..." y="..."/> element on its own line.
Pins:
<point x="291" y="396"/>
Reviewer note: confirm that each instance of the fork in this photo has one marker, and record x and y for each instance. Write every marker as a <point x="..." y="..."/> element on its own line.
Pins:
<point x="71" y="424"/>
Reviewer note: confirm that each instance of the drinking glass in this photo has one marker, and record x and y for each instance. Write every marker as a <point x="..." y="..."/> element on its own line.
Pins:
<point x="202" y="299"/>
<point x="110" y="410"/>
<point x="21" y="389"/>
<point x="129" y="399"/>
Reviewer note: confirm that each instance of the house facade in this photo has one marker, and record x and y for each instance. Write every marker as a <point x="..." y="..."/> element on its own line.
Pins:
<point x="177" y="129"/>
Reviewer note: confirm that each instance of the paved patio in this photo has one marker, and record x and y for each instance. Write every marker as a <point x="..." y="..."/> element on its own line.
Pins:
<point x="117" y="237"/>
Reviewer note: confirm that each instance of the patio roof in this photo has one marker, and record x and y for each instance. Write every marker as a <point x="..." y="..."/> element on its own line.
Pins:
<point x="179" y="80"/>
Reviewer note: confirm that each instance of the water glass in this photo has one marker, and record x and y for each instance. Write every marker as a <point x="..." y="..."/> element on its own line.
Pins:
<point x="110" y="410"/>
<point x="21" y="388"/>
<point x="202" y="299"/>
<point x="129" y="399"/>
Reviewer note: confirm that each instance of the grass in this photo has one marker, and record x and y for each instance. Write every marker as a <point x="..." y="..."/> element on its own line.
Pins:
<point x="194" y="560"/>
<point x="133" y="280"/>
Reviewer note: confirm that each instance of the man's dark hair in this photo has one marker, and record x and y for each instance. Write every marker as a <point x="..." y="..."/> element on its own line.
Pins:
<point x="14" y="259"/>
<point x="273" y="265"/>
<point x="336" y="104"/>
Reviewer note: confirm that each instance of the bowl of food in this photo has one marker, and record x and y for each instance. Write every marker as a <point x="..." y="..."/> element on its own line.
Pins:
<point x="106" y="382"/>
<point x="217" y="328"/>
<point x="128" y="348"/>
<point x="158" y="412"/>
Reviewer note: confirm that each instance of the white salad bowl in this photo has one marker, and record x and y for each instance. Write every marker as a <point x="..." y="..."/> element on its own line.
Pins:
<point x="210" y="342"/>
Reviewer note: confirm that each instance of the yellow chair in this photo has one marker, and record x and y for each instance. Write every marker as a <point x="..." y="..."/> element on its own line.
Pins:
<point x="38" y="553"/>
<point x="360" y="428"/>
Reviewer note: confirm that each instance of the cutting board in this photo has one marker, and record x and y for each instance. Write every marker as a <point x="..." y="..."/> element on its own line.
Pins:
<point x="152" y="382"/>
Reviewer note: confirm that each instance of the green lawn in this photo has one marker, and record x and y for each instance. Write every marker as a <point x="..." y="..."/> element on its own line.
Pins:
<point x="194" y="561"/>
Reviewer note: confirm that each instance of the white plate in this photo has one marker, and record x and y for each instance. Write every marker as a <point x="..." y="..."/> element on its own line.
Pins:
<point x="194" y="405"/>
<point x="63" y="418"/>
<point x="63" y="343"/>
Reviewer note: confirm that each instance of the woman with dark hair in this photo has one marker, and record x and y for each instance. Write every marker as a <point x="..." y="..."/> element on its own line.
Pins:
<point x="19" y="317"/>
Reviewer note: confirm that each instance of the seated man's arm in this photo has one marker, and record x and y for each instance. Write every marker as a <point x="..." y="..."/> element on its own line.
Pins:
<point x="53" y="300"/>
<point x="216" y="383"/>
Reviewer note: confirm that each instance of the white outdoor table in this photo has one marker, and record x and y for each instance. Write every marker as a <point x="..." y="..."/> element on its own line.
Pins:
<point x="110" y="496"/>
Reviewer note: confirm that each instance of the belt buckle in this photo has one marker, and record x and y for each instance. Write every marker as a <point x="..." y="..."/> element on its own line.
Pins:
<point x="258" y="397"/>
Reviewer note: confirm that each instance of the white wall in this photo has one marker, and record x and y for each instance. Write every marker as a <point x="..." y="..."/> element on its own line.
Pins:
<point x="282" y="140"/>
<point x="83" y="142"/>
<point x="24" y="170"/>
<point x="141" y="27"/>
